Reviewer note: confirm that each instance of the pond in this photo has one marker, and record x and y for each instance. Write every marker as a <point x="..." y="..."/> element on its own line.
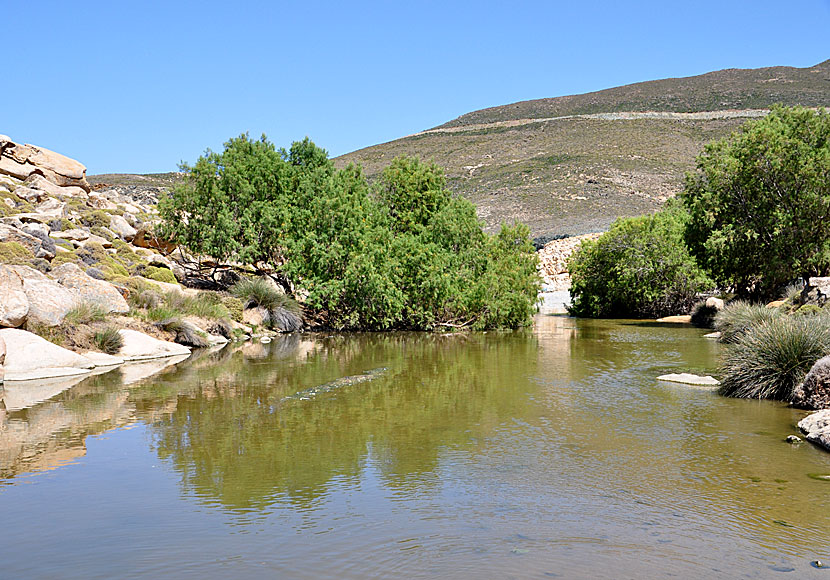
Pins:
<point x="549" y="452"/>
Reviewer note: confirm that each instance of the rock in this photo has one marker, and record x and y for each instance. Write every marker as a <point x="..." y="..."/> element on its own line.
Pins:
<point x="30" y="195"/>
<point x="139" y="346"/>
<point x="257" y="316"/>
<point x="23" y="161"/>
<point x="714" y="302"/>
<point x="814" y="392"/>
<point x="776" y="304"/>
<point x="88" y="289"/>
<point x="52" y="207"/>
<point x="816" y="428"/>
<point x="104" y="242"/>
<point x="41" y="232"/>
<point x="99" y="201"/>
<point x="40" y="183"/>
<point x="679" y="319"/>
<point x="145" y="239"/>
<point x="792" y="439"/>
<point x="48" y="301"/>
<point x="102" y="359"/>
<point x="160" y="261"/>
<point x="29" y="356"/>
<point x="14" y="305"/>
<point x="2" y="360"/>
<point x="690" y="379"/>
<point x="714" y="335"/>
<point x="76" y="235"/>
<point x="122" y="228"/>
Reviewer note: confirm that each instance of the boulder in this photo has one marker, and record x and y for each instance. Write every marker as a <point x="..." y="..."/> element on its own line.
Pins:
<point x="99" y="201"/>
<point x="145" y="239"/>
<point x="257" y="316"/>
<point x="677" y="319"/>
<point x="816" y="428"/>
<point x="139" y="346"/>
<point x="14" y="305"/>
<point x="122" y="228"/>
<point x="88" y="289"/>
<point x="40" y="183"/>
<point x="48" y="301"/>
<point x="30" y="195"/>
<point x="93" y="239"/>
<point x="29" y="356"/>
<point x="714" y="302"/>
<point x="75" y="235"/>
<point x="23" y="161"/>
<point x="52" y="207"/>
<point x="2" y="360"/>
<point x="814" y="392"/>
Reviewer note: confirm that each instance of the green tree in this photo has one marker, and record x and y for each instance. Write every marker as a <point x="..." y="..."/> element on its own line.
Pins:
<point x="641" y="267"/>
<point x="760" y="203"/>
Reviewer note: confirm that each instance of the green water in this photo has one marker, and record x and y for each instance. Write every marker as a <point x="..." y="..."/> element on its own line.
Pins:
<point x="551" y="452"/>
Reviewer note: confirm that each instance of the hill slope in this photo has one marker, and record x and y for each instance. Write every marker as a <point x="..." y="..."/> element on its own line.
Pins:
<point x="570" y="165"/>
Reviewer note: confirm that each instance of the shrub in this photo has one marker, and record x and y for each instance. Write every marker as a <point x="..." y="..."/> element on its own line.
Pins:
<point x="283" y="311"/>
<point x="84" y="313"/>
<point x="640" y="267"/>
<point x="96" y="218"/>
<point x="160" y="274"/>
<point x="703" y="316"/>
<point x="234" y="306"/>
<point x="15" y="253"/>
<point x="770" y="359"/>
<point x="739" y="316"/>
<point x="108" y="340"/>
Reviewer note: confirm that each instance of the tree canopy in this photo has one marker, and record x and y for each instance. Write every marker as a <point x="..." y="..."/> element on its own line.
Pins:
<point x="404" y="253"/>
<point x="760" y="203"/>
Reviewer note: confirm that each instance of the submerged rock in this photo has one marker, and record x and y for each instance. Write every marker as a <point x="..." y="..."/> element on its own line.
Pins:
<point x="690" y="379"/>
<point x="140" y="346"/>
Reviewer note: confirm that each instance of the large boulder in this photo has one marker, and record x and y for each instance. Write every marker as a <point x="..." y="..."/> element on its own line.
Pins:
<point x="146" y="239"/>
<point x="48" y="301"/>
<point x="814" y="392"/>
<point x="122" y="228"/>
<point x="14" y="305"/>
<point x="88" y="289"/>
<point x="140" y="346"/>
<point x="23" y="161"/>
<point x="29" y="356"/>
<point x="816" y="428"/>
<point x="40" y="183"/>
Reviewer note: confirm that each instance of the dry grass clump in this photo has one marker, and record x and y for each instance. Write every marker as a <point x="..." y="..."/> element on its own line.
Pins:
<point x="738" y="316"/>
<point x="108" y="340"/>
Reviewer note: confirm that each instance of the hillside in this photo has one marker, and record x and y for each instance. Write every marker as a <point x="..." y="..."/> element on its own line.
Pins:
<point x="570" y="165"/>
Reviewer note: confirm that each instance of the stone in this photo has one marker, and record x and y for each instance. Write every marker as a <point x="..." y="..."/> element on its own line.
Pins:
<point x="41" y="232"/>
<point x="102" y="359"/>
<point x="122" y="228"/>
<point x="52" y="207"/>
<point x="38" y="182"/>
<point x="816" y="428"/>
<point x="678" y="319"/>
<point x="30" y="195"/>
<point x="257" y="316"/>
<point x="2" y="360"/>
<point x="22" y="161"/>
<point x="155" y="259"/>
<point x="93" y="239"/>
<point x="77" y="235"/>
<point x="88" y="289"/>
<point x="140" y="346"/>
<point x="29" y="356"/>
<point x="99" y="201"/>
<point x="713" y="335"/>
<point x="814" y="391"/>
<point x="10" y="234"/>
<point x="14" y="305"/>
<point x="793" y="439"/>
<point x="145" y="239"/>
<point x="690" y="379"/>
<point x="48" y="301"/>
<point x="714" y="302"/>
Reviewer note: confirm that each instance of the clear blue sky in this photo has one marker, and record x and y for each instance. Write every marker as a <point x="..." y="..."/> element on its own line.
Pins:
<point x="139" y="86"/>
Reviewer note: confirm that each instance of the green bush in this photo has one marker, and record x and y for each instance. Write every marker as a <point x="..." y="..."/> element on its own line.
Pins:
<point x="703" y="316"/>
<point x="768" y="360"/>
<point x="640" y="267"/>
<point x="160" y="274"/>
<point x="739" y="316"/>
<point x="108" y="340"/>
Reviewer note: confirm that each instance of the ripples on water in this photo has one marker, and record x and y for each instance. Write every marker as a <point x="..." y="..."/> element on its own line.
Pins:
<point x="544" y="453"/>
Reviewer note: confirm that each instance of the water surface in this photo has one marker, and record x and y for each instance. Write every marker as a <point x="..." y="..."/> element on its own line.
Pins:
<point x="552" y="452"/>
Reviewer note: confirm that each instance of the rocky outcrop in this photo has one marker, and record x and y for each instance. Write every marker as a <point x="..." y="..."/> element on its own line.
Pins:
<point x="122" y="228"/>
<point x="816" y="428"/>
<point x="140" y="346"/>
<point x="14" y="305"/>
<point x="553" y="260"/>
<point x="25" y="161"/>
<point x="88" y="289"/>
<point x="28" y="241"/>
<point x="814" y="392"/>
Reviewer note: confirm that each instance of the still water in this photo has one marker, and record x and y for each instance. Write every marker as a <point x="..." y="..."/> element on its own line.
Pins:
<point x="551" y="452"/>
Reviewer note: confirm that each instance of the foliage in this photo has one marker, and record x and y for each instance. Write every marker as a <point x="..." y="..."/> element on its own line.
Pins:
<point x="84" y="313"/>
<point x="160" y="274"/>
<point x="402" y="254"/>
<point x="771" y="358"/>
<point x="703" y="316"/>
<point x="739" y="316"/>
<point x="760" y="203"/>
<point x="640" y="267"/>
<point x="108" y="340"/>
<point x="15" y="253"/>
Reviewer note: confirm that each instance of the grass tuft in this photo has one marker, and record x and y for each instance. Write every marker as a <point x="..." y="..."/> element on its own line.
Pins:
<point x="768" y="360"/>
<point x="738" y="316"/>
<point x="283" y="311"/>
<point x="108" y="340"/>
<point x="85" y="313"/>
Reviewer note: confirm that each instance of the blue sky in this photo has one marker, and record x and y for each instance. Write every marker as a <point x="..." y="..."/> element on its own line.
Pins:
<point x="137" y="87"/>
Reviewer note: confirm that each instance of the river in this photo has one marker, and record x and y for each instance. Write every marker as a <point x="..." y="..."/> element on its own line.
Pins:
<point x="549" y="452"/>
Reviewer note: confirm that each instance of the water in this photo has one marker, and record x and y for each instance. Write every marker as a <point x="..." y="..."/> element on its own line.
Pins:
<point x="551" y="452"/>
